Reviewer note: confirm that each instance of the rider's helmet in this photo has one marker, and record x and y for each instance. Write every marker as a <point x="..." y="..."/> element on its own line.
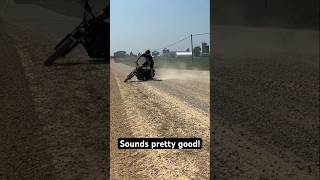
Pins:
<point x="147" y="52"/>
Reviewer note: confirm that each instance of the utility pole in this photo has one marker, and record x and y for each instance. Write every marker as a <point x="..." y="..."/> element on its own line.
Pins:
<point x="191" y="46"/>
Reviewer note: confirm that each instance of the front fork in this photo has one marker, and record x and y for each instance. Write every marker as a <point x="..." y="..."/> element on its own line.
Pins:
<point x="129" y="76"/>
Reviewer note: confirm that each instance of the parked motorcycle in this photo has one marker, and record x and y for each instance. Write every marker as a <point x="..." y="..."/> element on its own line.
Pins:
<point x="92" y="33"/>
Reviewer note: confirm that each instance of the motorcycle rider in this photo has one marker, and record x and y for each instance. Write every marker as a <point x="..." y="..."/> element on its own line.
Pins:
<point x="98" y="32"/>
<point x="149" y="63"/>
<point x="93" y="33"/>
<point x="104" y="14"/>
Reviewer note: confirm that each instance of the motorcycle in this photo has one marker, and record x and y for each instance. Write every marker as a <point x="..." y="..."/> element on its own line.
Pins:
<point x="92" y="33"/>
<point x="142" y="73"/>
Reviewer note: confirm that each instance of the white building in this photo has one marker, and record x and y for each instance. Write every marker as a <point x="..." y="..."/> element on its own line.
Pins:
<point x="183" y="53"/>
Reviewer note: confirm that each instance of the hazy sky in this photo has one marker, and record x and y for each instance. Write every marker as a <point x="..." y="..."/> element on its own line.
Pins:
<point x="137" y="25"/>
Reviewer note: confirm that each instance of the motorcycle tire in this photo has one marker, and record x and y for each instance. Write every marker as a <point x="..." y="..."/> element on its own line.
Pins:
<point x="129" y="76"/>
<point x="60" y="51"/>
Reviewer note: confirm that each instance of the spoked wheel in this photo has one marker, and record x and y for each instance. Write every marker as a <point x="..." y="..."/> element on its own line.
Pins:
<point x="60" y="51"/>
<point x="52" y="58"/>
<point x="129" y="77"/>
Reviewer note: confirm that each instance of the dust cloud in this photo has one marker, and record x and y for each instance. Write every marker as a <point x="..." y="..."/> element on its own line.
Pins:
<point x="168" y="74"/>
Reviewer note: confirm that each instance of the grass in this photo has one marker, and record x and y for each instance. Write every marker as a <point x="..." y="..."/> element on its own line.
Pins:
<point x="198" y="63"/>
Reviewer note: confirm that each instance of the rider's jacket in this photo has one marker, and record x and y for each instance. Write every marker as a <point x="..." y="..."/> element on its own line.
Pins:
<point x="149" y="60"/>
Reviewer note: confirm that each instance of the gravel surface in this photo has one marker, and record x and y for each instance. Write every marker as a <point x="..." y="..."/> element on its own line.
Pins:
<point x="158" y="109"/>
<point x="54" y="121"/>
<point x="23" y="151"/>
<point x="265" y="97"/>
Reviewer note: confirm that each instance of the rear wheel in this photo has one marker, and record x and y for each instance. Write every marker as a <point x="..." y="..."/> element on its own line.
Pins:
<point x="60" y="51"/>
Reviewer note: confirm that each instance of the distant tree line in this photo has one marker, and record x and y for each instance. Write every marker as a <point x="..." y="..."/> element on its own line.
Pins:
<point x="197" y="51"/>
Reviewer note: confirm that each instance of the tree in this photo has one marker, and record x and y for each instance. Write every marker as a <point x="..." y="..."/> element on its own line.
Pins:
<point x="205" y="49"/>
<point x="120" y="54"/>
<point x="155" y="53"/>
<point x="197" y="51"/>
<point x="165" y="51"/>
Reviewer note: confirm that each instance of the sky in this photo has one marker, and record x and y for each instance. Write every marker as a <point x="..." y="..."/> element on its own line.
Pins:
<point x="137" y="25"/>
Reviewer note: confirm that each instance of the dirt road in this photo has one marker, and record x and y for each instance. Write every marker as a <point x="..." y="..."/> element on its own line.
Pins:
<point x="265" y="113"/>
<point x="21" y="150"/>
<point x="53" y="119"/>
<point x="172" y="107"/>
<point x="265" y="120"/>
<point x="265" y="97"/>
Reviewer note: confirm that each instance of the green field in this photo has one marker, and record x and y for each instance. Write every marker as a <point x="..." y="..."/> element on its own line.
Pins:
<point x="198" y="63"/>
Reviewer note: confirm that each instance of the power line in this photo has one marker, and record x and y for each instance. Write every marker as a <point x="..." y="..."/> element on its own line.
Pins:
<point x="172" y="44"/>
<point x="179" y="41"/>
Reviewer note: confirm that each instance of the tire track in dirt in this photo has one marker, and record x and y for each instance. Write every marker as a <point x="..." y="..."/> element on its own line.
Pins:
<point x="154" y="113"/>
<point x="272" y="101"/>
<point x="72" y="101"/>
<point x="194" y="93"/>
<point x="232" y="144"/>
<point x="233" y="147"/>
<point x="23" y="152"/>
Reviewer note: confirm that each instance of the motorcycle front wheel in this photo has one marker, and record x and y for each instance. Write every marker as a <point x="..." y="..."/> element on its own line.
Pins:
<point x="129" y="77"/>
<point x="60" y="51"/>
